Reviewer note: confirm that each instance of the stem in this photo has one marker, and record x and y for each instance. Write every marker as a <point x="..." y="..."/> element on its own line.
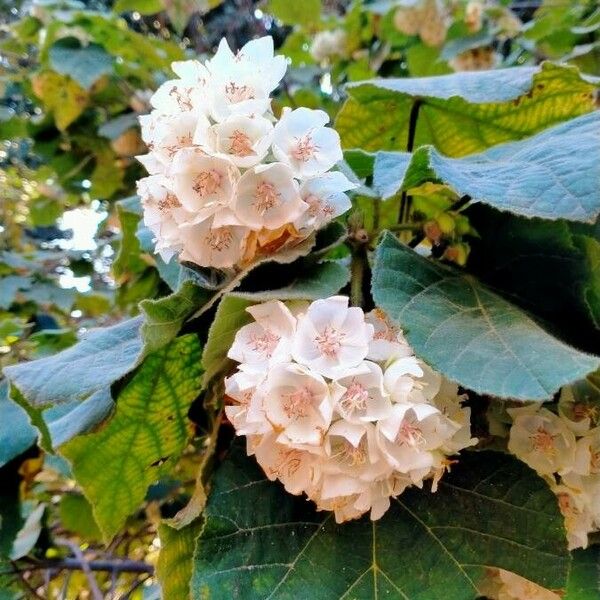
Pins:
<point x="84" y="566"/>
<point x="357" y="275"/>
<point x="410" y="143"/>
<point x="74" y="564"/>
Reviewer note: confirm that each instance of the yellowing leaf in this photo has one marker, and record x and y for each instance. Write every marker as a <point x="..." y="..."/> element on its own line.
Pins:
<point x="61" y="96"/>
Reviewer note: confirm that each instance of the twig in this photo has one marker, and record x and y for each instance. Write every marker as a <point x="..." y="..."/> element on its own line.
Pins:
<point x="357" y="275"/>
<point x="24" y="581"/>
<point x="134" y="587"/>
<point x="85" y="567"/>
<point x="74" y="564"/>
<point x="410" y="143"/>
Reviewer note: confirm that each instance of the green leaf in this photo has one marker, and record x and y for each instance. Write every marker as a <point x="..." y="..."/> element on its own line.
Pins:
<point x="543" y="266"/>
<point x="84" y="64"/>
<point x="230" y="316"/>
<point x="591" y="250"/>
<point x="144" y="7"/>
<point x="469" y="333"/>
<point x="16" y="432"/>
<point x="323" y="280"/>
<point x="584" y="578"/>
<point x="174" y="567"/>
<point x="304" y="13"/>
<point x="28" y="535"/>
<point x="61" y="96"/>
<point x="491" y="511"/>
<point x="149" y="430"/>
<point x="101" y="357"/>
<point x="551" y="175"/>
<point x="465" y="112"/>
<point x="164" y="318"/>
<point x="76" y="516"/>
<point x="128" y="258"/>
<point x="11" y="519"/>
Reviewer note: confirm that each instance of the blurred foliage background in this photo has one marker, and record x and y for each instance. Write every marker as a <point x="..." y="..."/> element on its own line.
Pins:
<point x="74" y="76"/>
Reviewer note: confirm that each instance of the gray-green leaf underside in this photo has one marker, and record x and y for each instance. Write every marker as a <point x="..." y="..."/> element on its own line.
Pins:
<point x="469" y="333"/>
<point x="260" y="543"/>
<point x="552" y="175"/>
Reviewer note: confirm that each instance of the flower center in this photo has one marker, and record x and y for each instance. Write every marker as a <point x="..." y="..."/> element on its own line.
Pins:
<point x="581" y="411"/>
<point x="316" y="206"/>
<point x="297" y="403"/>
<point x="168" y="202"/>
<point x="238" y="93"/>
<point x="329" y="341"/>
<point x="305" y="148"/>
<point x="289" y="461"/>
<point x="183" y="100"/>
<point x="241" y="144"/>
<point x="410" y="434"/>
<point x="265" y="343"/>
<point x="219" y="239"/>
<point x="207" y="183"/>
<point x="355" y="398"/>
<point x="387" y="331"/>
<point x="266" y="197"/>
<point x="543" y="441"/>
<point x="351" y="455"/>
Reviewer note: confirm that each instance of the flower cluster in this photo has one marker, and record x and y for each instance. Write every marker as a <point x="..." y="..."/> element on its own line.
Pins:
<point x="335" y="405"/>
<point x="426" y="18"/>
<point x="227" y="180"/>
<point x="564" y="448"/>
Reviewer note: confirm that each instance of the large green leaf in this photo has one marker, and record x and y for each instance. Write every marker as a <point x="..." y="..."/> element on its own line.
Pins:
<point x="115" y="465"/>
<point x="584" y="578"/>
<point x="467" y="332"/>
<point x="174" y="568"/>
<point x="465" y="112"/>
<point x="85" y="64"/>
<point x="163" y="318"/>
<point x="544" y="266"/>
<point x="16" y="433"/>
<point x="230" y="316"/>
<point x="490" y="511"/>
<point x="551" y="175"/>
<point x="99" y="359"/>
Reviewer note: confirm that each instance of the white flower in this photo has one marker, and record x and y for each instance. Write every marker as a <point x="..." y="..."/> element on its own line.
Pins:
<point x="301" y="140"/>
<point x="587" y="453"/>
<point x="210" y="246"/>
<point x="163" y="214"/>
<point x="409" y="434"/>
<point x="359" y="395"/>
<point x="241" y="83"/>
<point x="578" y="410"/>
<point x="165" y="135"/>
<point x="448" y="402"/>
<point x="246" y="415"/>
<point x="327" y="44"/>
<point x="244" y="140"/>
<point x="318" y="417"/>
<point x="542" y="440"/>
<point x="295" y="468"/>
<point x="186" y="94"/>
<point x="408" y="379"/>
<point x="256" y="56"/>
<point x="325" y="199"/>
<point x="574" y="506"/>
<point x="267" y="197"/>
<point x="388" y="341"/>
<point x="203" y="184"/>
<point x="331" y="337"/>
<point x="297" y="401"/>
<point x="268" y="340"/>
